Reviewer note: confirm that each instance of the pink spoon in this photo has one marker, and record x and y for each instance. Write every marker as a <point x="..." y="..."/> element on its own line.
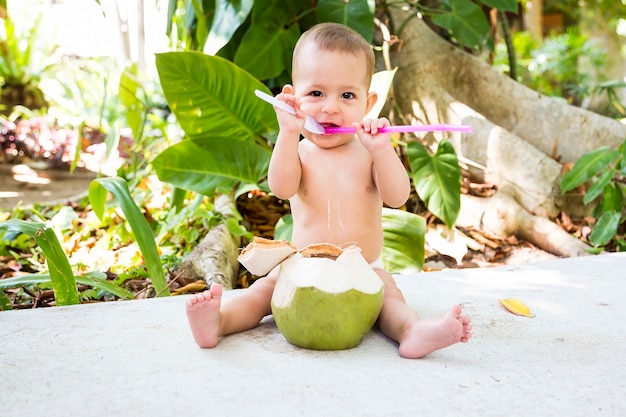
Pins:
<point x="403" y="129"/>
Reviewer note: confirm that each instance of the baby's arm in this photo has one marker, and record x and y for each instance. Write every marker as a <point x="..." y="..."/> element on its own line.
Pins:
<point x="285" y="171"/>
<point x="388" y="171"/>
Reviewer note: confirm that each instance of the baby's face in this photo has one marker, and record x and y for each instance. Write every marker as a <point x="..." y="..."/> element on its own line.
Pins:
<point x="333" y="88"/>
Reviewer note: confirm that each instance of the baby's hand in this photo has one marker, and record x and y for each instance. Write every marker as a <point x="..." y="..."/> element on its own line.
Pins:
<point x="367" y="131"/>
<point x="287" y="122"/>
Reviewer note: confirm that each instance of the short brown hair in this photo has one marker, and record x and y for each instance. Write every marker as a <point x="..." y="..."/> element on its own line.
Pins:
<point x="337" y="37"/>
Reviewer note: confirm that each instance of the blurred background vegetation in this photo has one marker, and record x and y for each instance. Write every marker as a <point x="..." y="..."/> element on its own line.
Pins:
<point x="80" y="89"/>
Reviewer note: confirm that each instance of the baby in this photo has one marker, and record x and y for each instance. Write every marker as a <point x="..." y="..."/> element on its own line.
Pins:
<point x="336" y="186"/>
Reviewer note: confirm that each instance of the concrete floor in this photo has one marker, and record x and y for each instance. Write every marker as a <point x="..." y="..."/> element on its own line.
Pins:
<point x="138" y="358"/>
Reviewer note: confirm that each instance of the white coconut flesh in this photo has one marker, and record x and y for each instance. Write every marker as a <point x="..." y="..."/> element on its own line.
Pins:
<point x="327" y="304"/>
<point x="263" y="255"/>
<point x="350" y="271"/>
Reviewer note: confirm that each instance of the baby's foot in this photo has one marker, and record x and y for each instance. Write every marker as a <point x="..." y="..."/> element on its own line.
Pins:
<point x="203" y="313"/>
<point x="425" y="336"/>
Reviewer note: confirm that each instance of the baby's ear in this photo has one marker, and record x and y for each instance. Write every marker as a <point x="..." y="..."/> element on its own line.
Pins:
<point x="288" y="89"/>
<point x="372" y="98"/>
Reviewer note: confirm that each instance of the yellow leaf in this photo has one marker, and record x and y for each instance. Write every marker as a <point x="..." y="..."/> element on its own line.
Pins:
<point x="516" y="306"/>
<point x="193" y="287"/>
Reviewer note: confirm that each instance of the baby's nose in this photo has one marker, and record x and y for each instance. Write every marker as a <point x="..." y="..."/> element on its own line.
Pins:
<point x="330" y="106"/>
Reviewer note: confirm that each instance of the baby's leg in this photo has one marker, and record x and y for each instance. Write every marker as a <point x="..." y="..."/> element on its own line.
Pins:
<point x="418" y="338"/>
<point x="209" y="319"/>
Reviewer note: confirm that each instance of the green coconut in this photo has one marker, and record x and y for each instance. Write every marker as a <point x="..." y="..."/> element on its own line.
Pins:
<point x="327" y="304"/>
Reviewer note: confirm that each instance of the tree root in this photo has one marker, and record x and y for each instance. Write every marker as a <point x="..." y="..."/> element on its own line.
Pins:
<point x="501" y="216"/>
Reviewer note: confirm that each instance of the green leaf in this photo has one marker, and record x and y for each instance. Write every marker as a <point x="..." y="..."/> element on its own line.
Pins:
<point x="229" y="15"/>
<point x="138" y="224"/>
<point x="504" y="5"/>
<point x="613" y="198"/>
<point x="5" y="302"/>
<point x="605" y="229"/>
<point x="266" y="48"/>
<point x="622" y="161"/>
<point x="403" y="249"/>
<point x="22" y="226"/>
<point x="93" y="279"/>
<point x="437" y="179"/>
<point x="284" y="228"/>
<point x="203" y="165"/>
<point x="235" y="228"/>
<point x="211" y="96"/>
<point x="61" y="275"/>
<point x="128" y="88"/>
<point x="588" y="166"/>
<point x="200" y="24"/>
<point x="102" y="284"/>
<point x="596" y="189"/>
<point x="466" y="22"/>
<point x="357" y="14"/>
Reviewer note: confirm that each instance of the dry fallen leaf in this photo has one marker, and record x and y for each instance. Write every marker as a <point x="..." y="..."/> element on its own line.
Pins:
<point x="192" y="287"/>
<point x="516" y="306"/>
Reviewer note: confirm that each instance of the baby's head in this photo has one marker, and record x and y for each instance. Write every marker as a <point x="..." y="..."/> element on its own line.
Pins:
<point x="334" y="37"/>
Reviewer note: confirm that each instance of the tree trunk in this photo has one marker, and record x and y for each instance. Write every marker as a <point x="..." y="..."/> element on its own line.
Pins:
<point x="518" y="136"/>
<point x="533" y="19"/>
<point x="438" y="83"/>
<point x="215" y="258"/>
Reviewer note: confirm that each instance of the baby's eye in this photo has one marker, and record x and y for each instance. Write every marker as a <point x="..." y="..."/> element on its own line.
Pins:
<point x="316" y="93"/>
<point x="347" y="95"/>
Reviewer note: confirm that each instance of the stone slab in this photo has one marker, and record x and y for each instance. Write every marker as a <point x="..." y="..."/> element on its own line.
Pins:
<point x="138" y="358"/>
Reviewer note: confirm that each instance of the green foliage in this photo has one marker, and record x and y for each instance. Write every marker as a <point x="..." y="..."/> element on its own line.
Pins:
<point x="95" y="280"/>
<point x="464" y="20"/>
<point x="211" y="96"/>
<point x="5" y="303"/>
<point x="143" y="233"/>
<point x="437" y="179"/>
<point x="22" y="62"/>
<point x="403" y="250"/>
<point x="565" y="65"/>
<point x="283" y="228"/>
<point x="214" y="103"/>
<point x="466" y="23"/>
<point x="61" y="275"/>
<point x="607" y="169"/>
<point x="229" y="132"/>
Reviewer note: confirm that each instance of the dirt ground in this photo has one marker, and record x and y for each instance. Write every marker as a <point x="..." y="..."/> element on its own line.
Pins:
<point x="21" y="184"/>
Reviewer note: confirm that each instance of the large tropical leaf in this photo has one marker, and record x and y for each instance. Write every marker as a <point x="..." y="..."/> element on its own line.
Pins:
<point x="357" y="14"/>
<point x="437" y="179"/>
<point x="466" y="23"/>
<point x="403" y="249"/>
<point x="203" y="165"/>
<point x="266" y="48"/>
<point x="504" y="5"/>
<point x="211" y="96"/>
<point x="229" y="15"/>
